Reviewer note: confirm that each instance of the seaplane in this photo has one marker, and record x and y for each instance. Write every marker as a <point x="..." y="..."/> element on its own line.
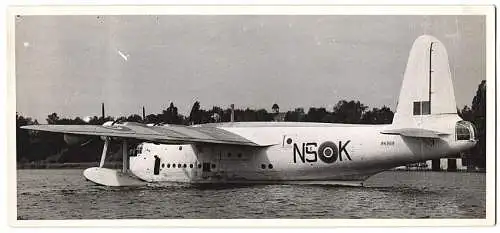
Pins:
<point x="425" y="126"/>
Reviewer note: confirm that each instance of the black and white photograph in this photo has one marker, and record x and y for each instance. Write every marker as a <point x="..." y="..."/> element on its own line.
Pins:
<point x="249" y="115"/>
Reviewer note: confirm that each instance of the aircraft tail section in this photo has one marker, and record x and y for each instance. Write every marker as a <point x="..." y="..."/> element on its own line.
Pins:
<point x="427" y="87"/>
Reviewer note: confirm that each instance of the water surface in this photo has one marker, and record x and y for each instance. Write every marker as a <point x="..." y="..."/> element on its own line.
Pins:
<point x="65" y="194"/>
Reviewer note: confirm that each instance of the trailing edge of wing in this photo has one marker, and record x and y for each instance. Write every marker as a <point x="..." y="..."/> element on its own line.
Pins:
<point x="415" y="133"/>
<point x="160" y="134"/>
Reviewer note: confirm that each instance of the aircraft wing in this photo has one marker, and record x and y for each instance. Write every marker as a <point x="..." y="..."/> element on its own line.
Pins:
<point x="162" y="134"/>
<point x="415" y="133"/>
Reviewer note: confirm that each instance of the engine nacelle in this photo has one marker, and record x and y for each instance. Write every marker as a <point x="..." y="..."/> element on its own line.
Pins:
<point x="108" y="123"/>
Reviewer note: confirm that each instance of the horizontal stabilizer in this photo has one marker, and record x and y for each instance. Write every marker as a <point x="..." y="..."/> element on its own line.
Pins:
<point x="171" y="134"/>
<point x="415" y="133"/>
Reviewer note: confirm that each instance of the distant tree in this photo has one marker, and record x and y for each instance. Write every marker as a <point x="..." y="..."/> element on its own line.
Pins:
<point x="171" y="116"/>
<point x="276" y="108"/>
<point x="479" y="101"/>
<point x="99" y="120"/>
<point x="216" y="109"/>
<point x="23" y="137"/>
<point x="226" y="115"/>
<point x="195" y="117"/>
<point x="477" y="115"/>
<point x="134" y="118"/>
<point x="55" y="119"/>
<point x="35" y="145"/>
<point x="67" y="121"/>
<point x="94" y="121"/>
<point x="152" y="119"/>
<point x="296" y="115"/>
<point x="215" y="114"/>
<point x="383" y="115"/>
<point x="479" y="120"/>
<point x="466" y="113"/>
<point x="317" y="115"/>
<point x="52" y="119"/>
<point x="263" y="115"/>
<point x="348" y="112"/>
<point x="247" y="115"/>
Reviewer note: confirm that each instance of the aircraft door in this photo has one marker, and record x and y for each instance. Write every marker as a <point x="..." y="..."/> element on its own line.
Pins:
<point x="156" y="169"/>
<point x="210" y="163"/>
<point x="208" y="169"/>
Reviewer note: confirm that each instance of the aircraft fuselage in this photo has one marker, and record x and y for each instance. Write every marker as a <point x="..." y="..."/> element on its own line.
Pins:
<point x="297" y="152"/>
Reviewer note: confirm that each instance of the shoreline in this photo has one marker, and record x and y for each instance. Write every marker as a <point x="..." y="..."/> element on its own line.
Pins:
<point x="83" y="165"/>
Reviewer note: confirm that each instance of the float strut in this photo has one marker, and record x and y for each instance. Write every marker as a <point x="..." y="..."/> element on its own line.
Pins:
<point x="104" y="151"/>
<point x="125" y="156"/>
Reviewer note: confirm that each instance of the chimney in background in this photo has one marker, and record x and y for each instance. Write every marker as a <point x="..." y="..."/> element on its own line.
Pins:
<point x="102" y="110"/>
<point x="232" y="112"/>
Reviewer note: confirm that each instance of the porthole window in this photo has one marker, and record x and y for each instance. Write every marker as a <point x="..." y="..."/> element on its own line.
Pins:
<point x="173" y="165"/>
<point x="162" y="165"/>
<point x="239" y="155"/>
<point x="263" y="166"/>
<point x="179" y="165"/>
<point x="270" y="166"/>
<point x="168" y="165"/>
<point x="190" y="165"/>
<point x="229" y="154"/>
<point x="185" y="166"/>
<point x="213" y="165"/>
<point x="180" y="147"/>
<point x="199" y="165"/>
<point x="289" y="141"/>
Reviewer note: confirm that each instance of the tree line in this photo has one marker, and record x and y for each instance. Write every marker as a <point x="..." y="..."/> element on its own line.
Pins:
<point x="35" y="146"/>
<point x="477" y="115"/>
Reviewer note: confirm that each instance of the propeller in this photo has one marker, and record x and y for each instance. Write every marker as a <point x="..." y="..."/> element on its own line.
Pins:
<point x="119" y="121"/>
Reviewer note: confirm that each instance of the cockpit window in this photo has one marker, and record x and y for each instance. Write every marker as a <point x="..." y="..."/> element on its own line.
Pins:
<point x="464" y="130"/>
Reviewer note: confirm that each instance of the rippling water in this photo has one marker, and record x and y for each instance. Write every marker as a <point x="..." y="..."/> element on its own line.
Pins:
<point x="65" y="194"/>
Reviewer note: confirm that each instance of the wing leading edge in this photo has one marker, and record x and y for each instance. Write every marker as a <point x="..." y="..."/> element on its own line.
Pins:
<point x="415" y="133"/>
<point x="160" y="134"/>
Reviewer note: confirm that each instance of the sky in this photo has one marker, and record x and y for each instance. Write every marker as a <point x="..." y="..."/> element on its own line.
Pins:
<point x="72" y="64"/>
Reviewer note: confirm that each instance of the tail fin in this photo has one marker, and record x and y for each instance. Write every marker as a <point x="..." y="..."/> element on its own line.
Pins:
<point x="427" y="87"/>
